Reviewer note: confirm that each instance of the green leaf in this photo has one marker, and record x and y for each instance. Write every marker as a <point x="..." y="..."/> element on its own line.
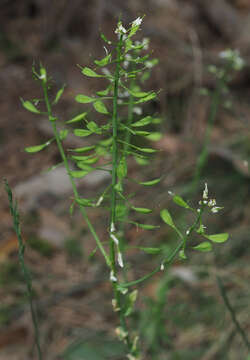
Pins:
<point x="89" y="72"/>
<point x="150" y="183"/>
<point x="155" y="136"/>
<point x="84" y="166"/>
<point x="139" y="94"/>
<point x="167" y="218"/>
<point x="142" y="133"/>
<point x="83" y="149"/>
<point x="104" y="61"/>
<point x="92" y="126"/>
<point x="106" y="142"/>
<point x="79" y="174"/>
<point x="82" y="132"/>
<point x="85" y="202"/>
<point x="100" y="107"/>
<point x="131" y="302"/>
<point x="179" y="201"/>
<point x="141" y="161"/>
<point x="30" y="107"/>
<point x="83" y="99"/>
<point x="36" y="148"/>
<point x="146" y="226"/>
<point x="204" y="247"/>
<point x="150" y="250"/>
<point x="59" y="94"/>
<point x="147" y="150"/>
<point x="145" y="121"/>
<point x="151" y="96"/>
<point x="91" y="160"/>
<point x="77" y="118"/>
<point x="81" y="157"/>
<point x="122" y="169"/>
<point x="104" y="92"/>
<point x="141" y="210"/>
<point x="217" y="238"/>
<point x="63" y="134"/>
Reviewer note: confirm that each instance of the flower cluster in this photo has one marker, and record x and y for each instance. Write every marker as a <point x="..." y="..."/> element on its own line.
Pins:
<point x="211" y="203"/>
<point x="120" y="30"/>
<point x="234" y="57"/>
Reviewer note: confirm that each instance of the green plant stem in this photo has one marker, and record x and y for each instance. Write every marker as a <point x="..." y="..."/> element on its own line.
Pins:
<point x="115" y="160"/>
<point x="232" y="312"/>
<point x="21" y="249"/>
<point x="66" y="164"/>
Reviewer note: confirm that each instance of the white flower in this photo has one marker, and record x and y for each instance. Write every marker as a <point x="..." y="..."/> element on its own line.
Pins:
<point x="137" y="110"/>
<point x="120" y="260"/>
<point x="106" y="71"/>
<point x="120" y="29"/>
<point x="215" y="209"/>
<point x="188" y="232"/>
<point x="212" y="202"/>
<point x="137" y="22"/>
<point x="112" y="276"/>
<point x="149" y="64"/>
<point x="205" y="192"/>
<point x="162" y="267"/>
<point x="145" y="43"/>
<point x="170" y="193"/>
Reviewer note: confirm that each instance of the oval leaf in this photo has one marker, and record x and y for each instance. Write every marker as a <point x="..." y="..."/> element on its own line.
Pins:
<point x="143" y="122"/>
<point x="155" y="136"/>
<point x="167" y="218"/>
<point x="83" y="149"/>
<point x="30" y="107"/>
<point x="82" y="132"/>
<point x="77" y="118"/>
<point x="36" y="148"/>
<point x="217" y="238"/>
<point x="150" y="250"/>
<point x="104" y="61"/>
<point x="83" y="99"/>
<point x="147" y="226"/>
<point x="151" y="182"/>
<point x="59" y="94"/>
<point x="204" y="247"/>
<point x="79" y="174"/>
<point x="179" y="201"/>
<point x="89" y="72"/>
<point x="100" y="107"/>
<point x="141" y="210"/>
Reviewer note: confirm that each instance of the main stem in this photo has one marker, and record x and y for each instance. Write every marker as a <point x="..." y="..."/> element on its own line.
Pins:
<point x="66" y="164"/>
<point x="115" y="160"/>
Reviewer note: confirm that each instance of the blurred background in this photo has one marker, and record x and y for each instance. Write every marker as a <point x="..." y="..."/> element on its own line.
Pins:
<point x="180" y="314"/>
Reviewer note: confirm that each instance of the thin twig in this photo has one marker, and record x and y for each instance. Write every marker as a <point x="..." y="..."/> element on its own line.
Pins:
<point x="232" y="312"/>
<point x="16" y="224"/>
